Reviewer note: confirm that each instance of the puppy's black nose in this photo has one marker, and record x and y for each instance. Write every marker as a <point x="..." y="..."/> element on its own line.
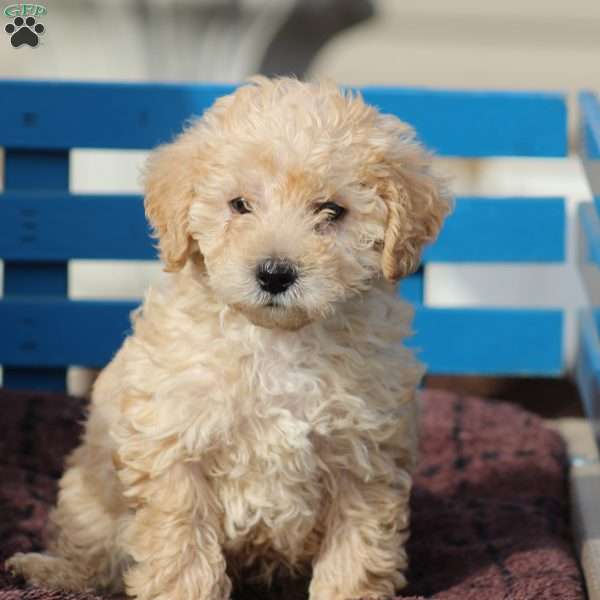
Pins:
<point x="275" y="276"/>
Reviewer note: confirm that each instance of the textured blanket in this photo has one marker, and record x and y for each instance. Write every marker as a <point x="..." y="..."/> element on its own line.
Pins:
<point x="489" y="505"/>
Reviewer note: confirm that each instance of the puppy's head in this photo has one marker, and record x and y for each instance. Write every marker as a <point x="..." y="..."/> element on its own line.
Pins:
<point x="291" y="197"/>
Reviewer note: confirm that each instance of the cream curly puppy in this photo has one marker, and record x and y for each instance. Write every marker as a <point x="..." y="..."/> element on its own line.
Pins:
<point x="261" y="418"/>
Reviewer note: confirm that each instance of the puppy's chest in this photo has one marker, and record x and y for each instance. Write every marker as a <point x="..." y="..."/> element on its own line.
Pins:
<point x="268" y="481"/>
<point x="297" y="414"/>
<point x="269" y="478"/>
<point x="298" y="376"/>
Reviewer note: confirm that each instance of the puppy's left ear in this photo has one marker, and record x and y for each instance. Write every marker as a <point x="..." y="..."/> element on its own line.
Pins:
<point x="417" y="201"/>
<point x="168" y="197"/>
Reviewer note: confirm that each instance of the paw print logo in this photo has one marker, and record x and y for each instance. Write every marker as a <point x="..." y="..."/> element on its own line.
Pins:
<point x="24" y="31"/>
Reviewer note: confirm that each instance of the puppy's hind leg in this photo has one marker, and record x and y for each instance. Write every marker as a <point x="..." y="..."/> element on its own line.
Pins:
<point x="82" y="554"/>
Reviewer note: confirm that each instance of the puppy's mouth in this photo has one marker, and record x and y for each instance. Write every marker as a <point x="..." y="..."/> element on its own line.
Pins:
<point x="276" y="301"/>
<point x="273" y="304"/>
<point x="274" y="314"/>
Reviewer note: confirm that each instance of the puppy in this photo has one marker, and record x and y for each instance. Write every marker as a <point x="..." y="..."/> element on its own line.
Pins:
<point x="261" y="418"/>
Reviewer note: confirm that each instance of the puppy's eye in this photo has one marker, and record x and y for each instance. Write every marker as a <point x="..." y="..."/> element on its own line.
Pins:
<point x="333" y="211"/>
<point x="239" y="205"/>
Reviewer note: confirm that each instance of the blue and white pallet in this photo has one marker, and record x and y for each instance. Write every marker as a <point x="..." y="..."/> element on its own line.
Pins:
<point x="43" y="225"/>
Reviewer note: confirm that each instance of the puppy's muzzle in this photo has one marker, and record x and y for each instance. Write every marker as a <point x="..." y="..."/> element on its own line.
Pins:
<point x="275" y="276"/>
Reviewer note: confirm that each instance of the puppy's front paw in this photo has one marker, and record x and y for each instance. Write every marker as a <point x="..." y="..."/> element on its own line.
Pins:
<point x="362" y="596"/>
<point x="47" y="571"/>
<point x="35" y="568"/>
<point x="12" y="564"/>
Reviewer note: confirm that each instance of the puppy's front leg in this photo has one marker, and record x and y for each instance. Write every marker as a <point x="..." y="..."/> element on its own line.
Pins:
<point x="362" y="554"/>
<point x="174" y="537"/>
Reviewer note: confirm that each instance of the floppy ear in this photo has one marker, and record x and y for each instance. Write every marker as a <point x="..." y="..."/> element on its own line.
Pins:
<point x="168" y="196"/>
<point x="417" y="200"/>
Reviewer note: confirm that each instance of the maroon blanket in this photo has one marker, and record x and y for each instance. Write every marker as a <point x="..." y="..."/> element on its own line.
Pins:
<point x="490" y="512"/>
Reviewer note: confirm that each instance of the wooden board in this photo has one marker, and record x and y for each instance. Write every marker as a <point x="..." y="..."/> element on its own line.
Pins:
<point x="47" y="114"/>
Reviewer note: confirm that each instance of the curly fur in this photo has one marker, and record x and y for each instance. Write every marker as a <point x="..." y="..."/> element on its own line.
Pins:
<point x="229" y="438"/>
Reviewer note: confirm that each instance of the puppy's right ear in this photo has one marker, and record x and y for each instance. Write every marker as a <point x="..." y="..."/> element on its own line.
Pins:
<point x="168" y="196"/>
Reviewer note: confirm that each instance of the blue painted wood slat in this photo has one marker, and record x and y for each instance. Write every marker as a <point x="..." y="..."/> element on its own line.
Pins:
<point x="27" y="170"/>
<point x="59" y="115"/>
<point x="55" y="332"/>
<point x="590" y="124"/>
<point x="490" y="341"/>
<point x="485" y="341"/>
<point x="480" y="124"/>
<point x="502" y="230"/>
<point x="50" y="227"/>
<point x="588" y="250"/>
<point x="28" y="278"/>
<point x="587" y="364"/>
<point x="412" y="289"/>
<point x="590" y="228"/>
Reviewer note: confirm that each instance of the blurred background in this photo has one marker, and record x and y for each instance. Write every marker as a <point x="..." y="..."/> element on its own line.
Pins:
<point x="460" y="44"/>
